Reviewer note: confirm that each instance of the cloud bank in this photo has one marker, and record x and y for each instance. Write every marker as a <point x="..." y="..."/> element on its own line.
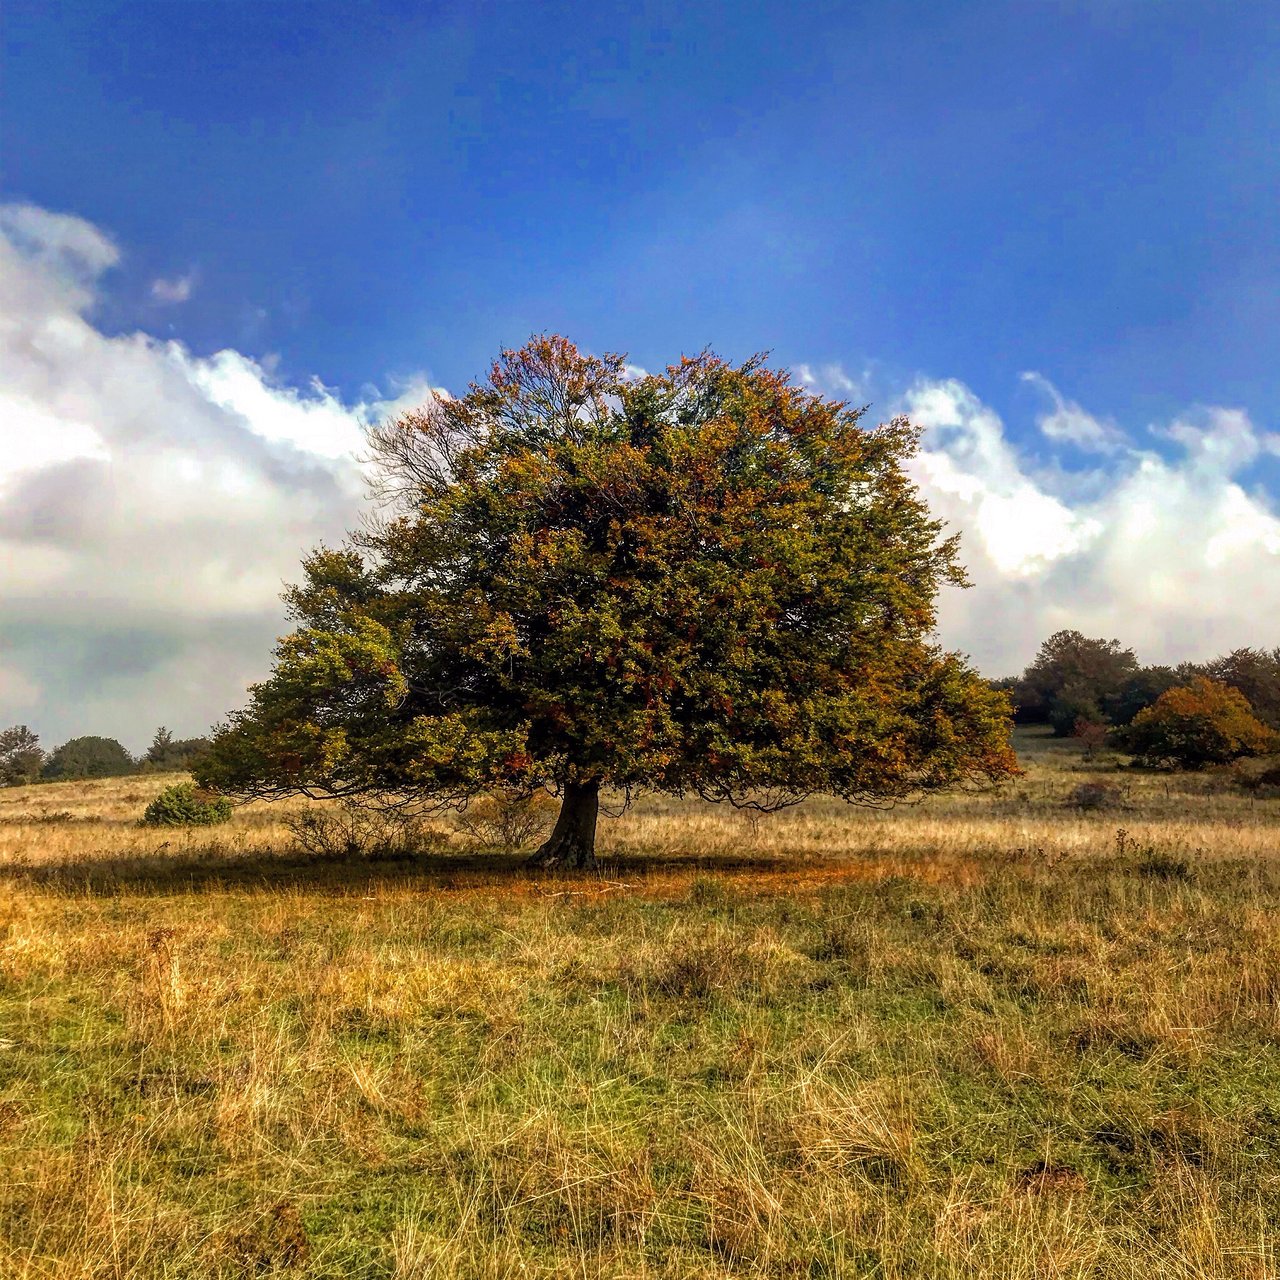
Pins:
<point x="153" y="502"/>
<point x="1168" y="547"/>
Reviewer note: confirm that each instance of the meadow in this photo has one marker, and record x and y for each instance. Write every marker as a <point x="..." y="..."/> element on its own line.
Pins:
<point x="995" y="1035"/>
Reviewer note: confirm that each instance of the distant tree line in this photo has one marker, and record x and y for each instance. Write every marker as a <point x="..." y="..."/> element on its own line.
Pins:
<point x="1189" y="715"/>
<point x="23" y="760"/>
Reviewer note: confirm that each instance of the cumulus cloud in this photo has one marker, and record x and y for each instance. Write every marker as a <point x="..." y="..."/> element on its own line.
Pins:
<point x="1168" y="548"/>
<point x="152" y="503"/>
<point x="971" y="467"/>
<point x="69" y="249"/>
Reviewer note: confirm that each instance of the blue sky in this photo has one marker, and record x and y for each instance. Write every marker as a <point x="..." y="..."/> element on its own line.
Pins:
<point x="1087" y="190"/>
<point x="234" y="231"/>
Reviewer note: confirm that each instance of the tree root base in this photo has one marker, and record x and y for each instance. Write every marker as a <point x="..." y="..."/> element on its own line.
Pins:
<point x="570" y="855"/>
<point x="572" y="842"/>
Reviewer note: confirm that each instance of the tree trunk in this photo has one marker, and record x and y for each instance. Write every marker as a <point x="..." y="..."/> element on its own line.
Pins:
<point x="572" y="842"/>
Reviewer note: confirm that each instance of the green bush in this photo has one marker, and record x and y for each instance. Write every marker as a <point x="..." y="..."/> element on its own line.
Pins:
<point x="186" y="805"/>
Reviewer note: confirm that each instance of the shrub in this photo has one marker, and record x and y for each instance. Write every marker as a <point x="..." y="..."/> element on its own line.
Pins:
<point x="186" y="805"/>
<point x="1197" y="724"/>
<point x="1259" y="776"/>
<point x="508" y="820"/>
<point x="350" y="831"/>
<point x="1091" y="735"/>
<point x="1096" y="795"/>
<point x="1149" y="862"/>
<point x="1155" y="864"/>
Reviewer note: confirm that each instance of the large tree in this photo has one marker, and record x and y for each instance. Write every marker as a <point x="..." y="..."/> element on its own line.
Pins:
<point x="704" y="581"/>
<point x="21" y="757"/>
<point x="1256" y="673"/>
<point x="88" y="757"/>
<point x="1072" y="678"/>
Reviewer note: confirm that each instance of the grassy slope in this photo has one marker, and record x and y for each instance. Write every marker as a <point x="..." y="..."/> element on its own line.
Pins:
<point x="988" y="1037"/>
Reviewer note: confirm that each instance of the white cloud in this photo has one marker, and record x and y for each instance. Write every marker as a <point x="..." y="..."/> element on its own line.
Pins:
<point x="1019" y="527"/>
<point x="1220" y="441"/>
<point x="1070" y="423"/>
<point x="831" y="380"/>
<point x="316" y="421"/>
<point x="152" y="503"/>
<point x="175" y="291"/>
<point x="1171" y="553"/>
<point x="60" y="243"/>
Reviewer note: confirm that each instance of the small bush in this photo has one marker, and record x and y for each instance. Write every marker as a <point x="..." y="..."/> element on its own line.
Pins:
<point x="1155" y="864"/>
<point x="707" y="891"/>
<point x="703" y="968"/>
<point x="508" y="820"/>
<point x="186" y="805"/>
<point x="1151" y="863"/>
<point x="1096" y="795"/>
<point x="348" y="831"/>
<point x="1260" y="777"/>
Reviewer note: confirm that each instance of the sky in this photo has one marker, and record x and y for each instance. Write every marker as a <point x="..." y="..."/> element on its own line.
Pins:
<point x="232" y="233"/>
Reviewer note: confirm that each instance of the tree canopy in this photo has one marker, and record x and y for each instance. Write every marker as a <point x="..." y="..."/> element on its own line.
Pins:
<point x="169" y="753"/>
<point x="1256" y="673"/>
<point x="1201" y="723"/>
<point x="1072" y="677"/>
<point x="21" y="757"/>
<point x="705" y="581"/>
<point x="88" y="757"/>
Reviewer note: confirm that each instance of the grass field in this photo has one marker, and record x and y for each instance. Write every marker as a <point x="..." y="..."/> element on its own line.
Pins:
<point x="992" y="1036"/>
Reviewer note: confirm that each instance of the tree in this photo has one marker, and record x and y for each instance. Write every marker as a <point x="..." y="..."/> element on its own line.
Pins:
<point x="88" y="757"/>
<point x="1071" y="678"/>
<point x="1140" y="690"/>
<point x="1075" y="701"/>
<point x="160" y="746"/>
<point x="1197" y="724"/>
<point x="185" y="805"/>
<point x="21" y="757"/>
<point x="1256" y="673"/>
<point x="169" y="753"/>
<point x="705" y="581"/>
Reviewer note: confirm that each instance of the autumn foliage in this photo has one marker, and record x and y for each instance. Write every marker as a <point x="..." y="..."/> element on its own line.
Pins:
<point x="705" y="581"/>
<point x="1198" y="724"/>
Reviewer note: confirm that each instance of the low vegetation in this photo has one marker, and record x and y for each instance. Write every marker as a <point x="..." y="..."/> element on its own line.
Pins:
<point x="1009" y="1034"/>
<point x="185" y="805"/>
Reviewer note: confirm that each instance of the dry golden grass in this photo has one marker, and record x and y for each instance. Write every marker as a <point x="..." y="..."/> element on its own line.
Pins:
<point x="994" y="1036"/>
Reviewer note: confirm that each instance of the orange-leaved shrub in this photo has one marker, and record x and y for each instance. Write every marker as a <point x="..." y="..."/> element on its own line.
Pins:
<point x="1197" y="724"/>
